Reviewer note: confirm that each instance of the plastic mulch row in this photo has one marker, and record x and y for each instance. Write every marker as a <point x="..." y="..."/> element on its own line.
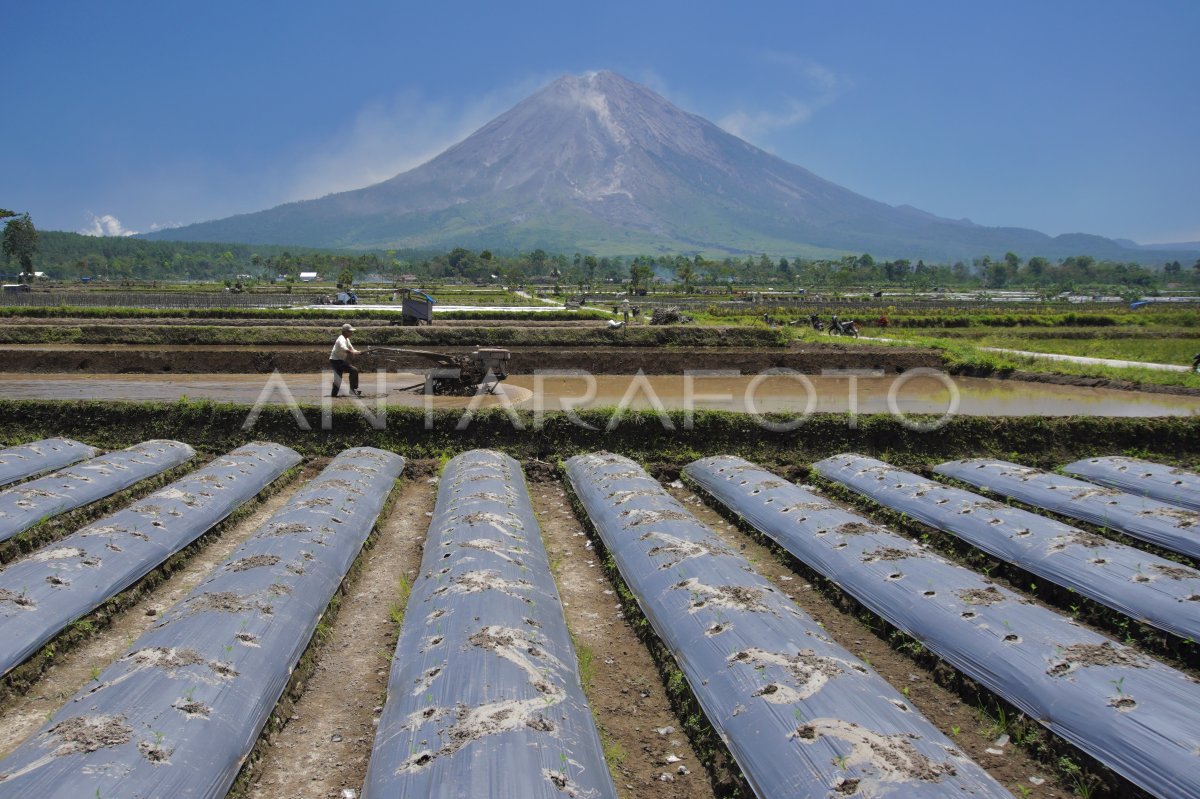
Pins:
<point x="1128" y="711"/>
<point x="1169" y="526"/>
<point x="1155" y="480"/>
<point x="484" y="696"/>
<point x="24" y="505"/>
<point x="1141" y="585"/>
<point x="46" y="591"/>
<point x="180" y="711"/>
<point x="36" y="457"/>
<point x="800" y="714"/>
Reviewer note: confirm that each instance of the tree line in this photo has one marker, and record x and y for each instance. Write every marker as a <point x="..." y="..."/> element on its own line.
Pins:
<point x="70" y="256"/>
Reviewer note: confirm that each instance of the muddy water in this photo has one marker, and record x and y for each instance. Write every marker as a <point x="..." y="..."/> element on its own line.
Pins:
<point x="239" y="388"/>
<point x="909" y="393"/>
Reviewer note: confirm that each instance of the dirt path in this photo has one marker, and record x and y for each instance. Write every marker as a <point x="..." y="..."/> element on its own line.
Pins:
<point x="327" y="742"/>
<point x="74" y="669"/>
<point x="624" y="689"/>
<point x="1012" y="767"/>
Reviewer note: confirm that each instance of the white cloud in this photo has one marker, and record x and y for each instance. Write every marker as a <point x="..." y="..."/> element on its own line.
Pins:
<point x="748" y="125"/>
<point x="811" y="87"/>
<point x="105" y="225"/>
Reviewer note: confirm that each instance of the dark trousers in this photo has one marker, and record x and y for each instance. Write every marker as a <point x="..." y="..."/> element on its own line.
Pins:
<point x="340" y="368"/>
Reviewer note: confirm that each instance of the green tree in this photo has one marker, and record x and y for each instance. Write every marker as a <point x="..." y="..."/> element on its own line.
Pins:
<point x="639" y="273"/>
<point x="346" y="278"/>
<point x="21" y="242"/>
<point x="686" y="275"/>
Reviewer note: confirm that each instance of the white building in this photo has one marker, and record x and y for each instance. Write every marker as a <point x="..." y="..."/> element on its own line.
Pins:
<point x="308" y="277"/>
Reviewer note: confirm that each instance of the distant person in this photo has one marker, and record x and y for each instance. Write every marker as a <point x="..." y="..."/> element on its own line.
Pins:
<point x="339" y="360"/>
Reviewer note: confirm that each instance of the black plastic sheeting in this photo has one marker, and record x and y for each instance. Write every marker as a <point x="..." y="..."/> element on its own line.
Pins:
<point x="484" y="698"/>
<point x="801" y="715"/>
<point x="1164" y="483"/>
<point x="1135" y="715"/>
<point x="36" y="457"/>
<point x="46" y="591"/>
<point x="1169" y="526"/>
<point x="23" y="506"/>
<point x="180" y="711"/>
<point x="1141" y="585"/>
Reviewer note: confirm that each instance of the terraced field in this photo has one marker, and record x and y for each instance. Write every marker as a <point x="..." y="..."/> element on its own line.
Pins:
<point x="258" y="624"/>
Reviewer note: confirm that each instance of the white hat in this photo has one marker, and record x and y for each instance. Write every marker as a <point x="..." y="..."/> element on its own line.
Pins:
<point x="347" y="328"/>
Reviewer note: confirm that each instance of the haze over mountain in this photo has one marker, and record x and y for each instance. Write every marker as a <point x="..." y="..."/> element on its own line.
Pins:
<point x="597" y="163"/>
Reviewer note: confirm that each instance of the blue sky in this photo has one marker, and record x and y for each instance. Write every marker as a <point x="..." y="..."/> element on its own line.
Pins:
<point x="1061" y="116"/>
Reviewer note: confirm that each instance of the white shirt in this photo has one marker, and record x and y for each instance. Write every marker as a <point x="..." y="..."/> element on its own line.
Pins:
<point x="341" y="348"/>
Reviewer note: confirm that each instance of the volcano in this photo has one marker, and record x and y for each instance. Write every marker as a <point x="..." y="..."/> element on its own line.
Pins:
<point x="600" y="164"/>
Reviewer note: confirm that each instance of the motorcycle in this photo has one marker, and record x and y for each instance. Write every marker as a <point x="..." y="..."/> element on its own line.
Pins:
<point x="840" y="328"/>
<point x="816" y="322"/>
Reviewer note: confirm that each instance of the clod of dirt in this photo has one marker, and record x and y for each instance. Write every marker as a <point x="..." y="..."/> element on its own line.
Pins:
<point x="253" y="562"/>
<point x="473" y="582"/>
<point x="890" y="553"/>
<point x="192" y="709"/>
<point x="647" y="516"/>
<point x="540" y="723"/>
<point x="680" y="548"/>
<point x="492" y="638"/>
<point x="288" y="528"/>
<point x="1175" y="572"/>
<point x="171" y="660"/>
<point x="888" y="758"/>
<point x="621" y="497"/>
<point x="560" y="781"/>
<point x="1078" y="538"/>
<point x="509" y="520"/>
<point x="86" y="734"/>
<point x="1183" y="518"/>
<point x="20" y="600"/>
<point x="340" y="484"/>
<point x="1088" y="493"/>
<point x="223" y="602"/>
<point x="854" y="528"/>
<point x="486" y="545"/>
<point x="981" y="596"/>
<point x="1104" y="654"/>
<point x="809" y="670"/>
<point x="1122" y="703"/>
<point x="155" y="753"/>
<point x="736" y="597"/>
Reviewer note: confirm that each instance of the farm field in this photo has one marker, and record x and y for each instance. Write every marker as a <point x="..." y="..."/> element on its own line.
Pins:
<point x="327" y="619"/>
<point x="316" y="730"/>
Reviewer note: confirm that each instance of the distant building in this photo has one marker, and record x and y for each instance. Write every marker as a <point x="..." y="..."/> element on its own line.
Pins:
<point x="308" y="277"/>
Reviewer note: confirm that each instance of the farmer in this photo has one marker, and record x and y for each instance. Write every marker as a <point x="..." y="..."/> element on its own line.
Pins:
<point x="339" y="361"/>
